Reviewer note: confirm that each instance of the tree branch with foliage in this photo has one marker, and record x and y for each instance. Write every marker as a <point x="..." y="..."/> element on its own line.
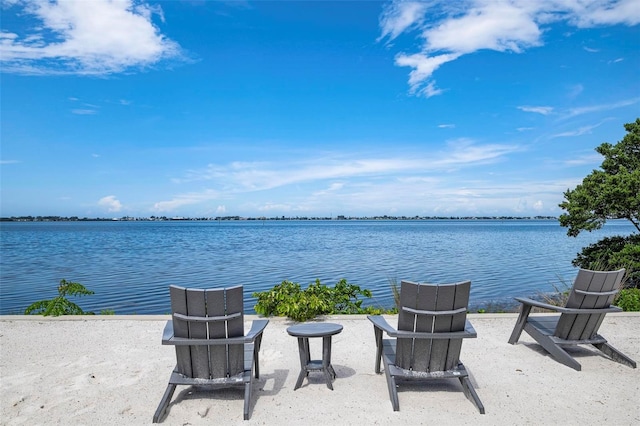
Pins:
<point x="611" y="192"/>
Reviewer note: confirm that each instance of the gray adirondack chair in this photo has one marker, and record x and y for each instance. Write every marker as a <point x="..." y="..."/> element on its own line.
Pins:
<point x="432" y="321"/>
<point x="212" y="350"/>
<point x="578" y="323"/>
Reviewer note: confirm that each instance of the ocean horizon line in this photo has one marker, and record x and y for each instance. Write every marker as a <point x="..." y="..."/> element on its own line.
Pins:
<point x="30" y="218"/>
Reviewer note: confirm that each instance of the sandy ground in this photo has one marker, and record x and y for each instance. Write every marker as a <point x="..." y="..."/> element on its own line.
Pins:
<point x="113" y="371"/>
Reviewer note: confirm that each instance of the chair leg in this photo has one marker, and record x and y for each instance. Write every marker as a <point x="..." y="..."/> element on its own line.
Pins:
<point x="164" y="403"/>
<point x="615" y="354"/>
<point x="522" y="321"/>
<point x="247" y="399"/>
<point x="555" y="350"/>
<point x="378" y="334"/>
<point x="393" y="388"/>
<point x="471" y="394"/>
<point x="393" y="391"/>
<point x="256" y="359"/>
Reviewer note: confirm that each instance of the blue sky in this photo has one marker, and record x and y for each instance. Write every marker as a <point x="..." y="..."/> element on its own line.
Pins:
<point x="309" y="108"/>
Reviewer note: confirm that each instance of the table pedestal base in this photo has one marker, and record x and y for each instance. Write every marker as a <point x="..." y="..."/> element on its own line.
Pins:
<point x="307" y="364"/>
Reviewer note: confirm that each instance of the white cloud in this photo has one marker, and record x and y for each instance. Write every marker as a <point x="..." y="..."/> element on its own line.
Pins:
<point x="587" y="14"/>
<point x="85" y="37"/>
<point x="221" y="209"/>
<point x="495" y="25"/>
<point x="423" y="66"/>
<point x="9" y="161"/>
<point x="544" y="110"/>
<point x="111" y="203"/>
<point x="446" y="126"/>
<point x="447" y="30"/>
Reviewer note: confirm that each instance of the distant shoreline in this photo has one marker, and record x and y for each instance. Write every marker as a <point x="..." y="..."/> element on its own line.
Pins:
<point x="260" y="218"/>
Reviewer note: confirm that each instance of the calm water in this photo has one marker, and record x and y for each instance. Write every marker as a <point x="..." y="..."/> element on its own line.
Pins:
<point x="129" y="265"/>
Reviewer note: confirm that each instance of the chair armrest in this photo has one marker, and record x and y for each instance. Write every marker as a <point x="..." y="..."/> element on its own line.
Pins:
<point x="381" y="323"/>
<point x="468" y="328"/>
<point x="538" y="304"/>
<point x="257" y="327"/>
<point x="563" y="310"/>
<point x="167" y="333"/>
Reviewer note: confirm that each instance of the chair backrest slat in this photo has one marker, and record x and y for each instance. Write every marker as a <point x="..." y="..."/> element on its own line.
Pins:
<point x="235" y="328"/>
<point x="178" y="297"/>
<point x="426" y="298"/>
<point x="460" y="299"/>
<point x="199" y="355"/>
<point x="595" y="290"/>
<point x="218" y="330"/>
<point x="429" y="355"/>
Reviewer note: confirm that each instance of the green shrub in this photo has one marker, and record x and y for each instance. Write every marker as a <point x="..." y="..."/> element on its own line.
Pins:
<point x="613" y="253"/>
<point x="290" y="300"/>
<point x="628" y="299"/>
<point x="60" y="305"/>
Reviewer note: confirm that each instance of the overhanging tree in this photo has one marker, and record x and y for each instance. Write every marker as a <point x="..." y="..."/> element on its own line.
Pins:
<point x="611" y="192"/>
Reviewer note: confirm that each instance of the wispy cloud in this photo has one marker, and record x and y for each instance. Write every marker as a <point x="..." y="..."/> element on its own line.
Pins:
<point x="602" y="107"/>
<point x="9" y="161"/>
<point x="446" y="126"/>
<point x="401" y="16"/>
<point x="544" y="110"/>
<point x="447" y="30"/>
<point x="84" y="111"/>
<point x="575" y="90"/>
<point x="186" y="200"/>
<point x="585" y="130"/>
<point x="84" y="38"/>
<point x="334" y="174"/>
<point x="584" y="159"/>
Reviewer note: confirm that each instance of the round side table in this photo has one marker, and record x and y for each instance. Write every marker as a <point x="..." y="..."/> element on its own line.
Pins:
<point x="308" y="330"/>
